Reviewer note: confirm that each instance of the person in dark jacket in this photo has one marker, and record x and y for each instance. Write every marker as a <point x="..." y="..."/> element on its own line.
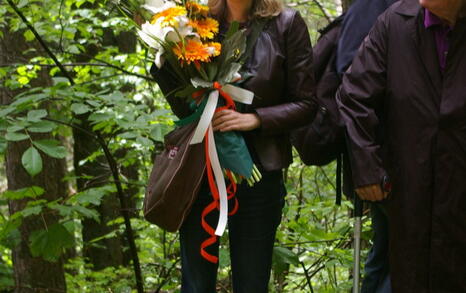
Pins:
<point x="403" y="101"/>
<point x="283" y="83"/>
<point x="357" y="23"/>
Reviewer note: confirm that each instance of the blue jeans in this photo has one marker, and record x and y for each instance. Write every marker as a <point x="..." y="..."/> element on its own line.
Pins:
<point x="376" y="272"/>
<point x="251" y="234"/>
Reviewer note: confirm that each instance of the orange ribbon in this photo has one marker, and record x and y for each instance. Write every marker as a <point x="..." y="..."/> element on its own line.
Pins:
<point x="231" y="189"/>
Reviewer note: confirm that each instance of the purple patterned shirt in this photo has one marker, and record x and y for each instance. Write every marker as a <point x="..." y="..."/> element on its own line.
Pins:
<point x="440" y="30"/>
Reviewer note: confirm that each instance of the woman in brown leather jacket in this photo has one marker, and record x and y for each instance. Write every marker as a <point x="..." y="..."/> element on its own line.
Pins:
<point x="283" y="83"/>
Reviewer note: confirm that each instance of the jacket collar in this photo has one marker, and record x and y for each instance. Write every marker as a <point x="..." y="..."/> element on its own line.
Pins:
<point x="408" y="8"/>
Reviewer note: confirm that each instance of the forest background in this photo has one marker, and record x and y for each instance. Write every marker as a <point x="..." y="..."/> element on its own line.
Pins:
<point x="80" y="122"/>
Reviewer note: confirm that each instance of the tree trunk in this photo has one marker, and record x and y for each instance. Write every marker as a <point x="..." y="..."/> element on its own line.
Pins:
<point x="32" y="274"/>
<point x="345" y="4"/>
<point x="108" y="251"/>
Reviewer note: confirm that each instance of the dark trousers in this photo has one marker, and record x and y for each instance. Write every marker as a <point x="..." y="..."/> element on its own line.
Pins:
<point x="251" y="234"/>
<point x="376" y="277"/>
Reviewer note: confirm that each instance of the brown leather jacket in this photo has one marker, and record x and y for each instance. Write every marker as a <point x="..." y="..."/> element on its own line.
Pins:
<point x="283" y="84"/>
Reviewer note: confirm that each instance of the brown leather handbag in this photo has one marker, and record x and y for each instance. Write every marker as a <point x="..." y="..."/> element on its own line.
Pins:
<point x="175" y="179"/>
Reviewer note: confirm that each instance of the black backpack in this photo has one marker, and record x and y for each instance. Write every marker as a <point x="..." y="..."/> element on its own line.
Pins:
<point x="323" y="140"/>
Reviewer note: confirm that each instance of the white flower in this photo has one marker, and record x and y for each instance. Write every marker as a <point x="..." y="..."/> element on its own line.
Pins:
<point x="154" y="35"/>
<point x="183" y="30"/>
<point x="159" y="60"/>
<point x="156" y="6"/>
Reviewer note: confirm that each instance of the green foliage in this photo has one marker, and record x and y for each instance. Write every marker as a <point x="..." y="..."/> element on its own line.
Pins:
<point x="50" y="243"/>
<point x="113" y="86"/>
<point x="32" y="161"/>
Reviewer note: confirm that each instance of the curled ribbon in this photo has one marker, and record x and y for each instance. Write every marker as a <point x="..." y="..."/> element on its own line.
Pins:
<point x="218" y="187"/>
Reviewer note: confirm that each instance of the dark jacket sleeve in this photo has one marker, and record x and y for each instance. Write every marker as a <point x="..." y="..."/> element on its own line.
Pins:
<point x="359" y="98"/>
<point x="168" y="85"/>
<point x="299" y="107"/>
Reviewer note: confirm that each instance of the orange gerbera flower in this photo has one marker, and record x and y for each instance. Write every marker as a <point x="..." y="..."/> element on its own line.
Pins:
<point x="170" y="15"/>
<point x="193" y="51"/>
<point x="206" y="28"/>
<point x="217" y="47"/>
<point x="197" y="9"/>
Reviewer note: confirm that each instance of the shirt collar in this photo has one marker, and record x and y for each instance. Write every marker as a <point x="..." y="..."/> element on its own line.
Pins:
<point x="431" y="19"/>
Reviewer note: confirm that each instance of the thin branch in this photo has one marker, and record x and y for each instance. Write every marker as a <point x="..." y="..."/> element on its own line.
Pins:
<point x="317" y="3"/>
<point x="111" y="161"/>
<point x="41" y="41"/>
<point x="110" y="65"/>
<point x="106" y="64"/>
<point x="129" y="230"/>
<point x="308" y="278"/>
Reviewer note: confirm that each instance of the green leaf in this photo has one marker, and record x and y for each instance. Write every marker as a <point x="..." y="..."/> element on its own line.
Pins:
<point x="15" y="136"/>
<point x="234" y="27"/>
<point x="284" y="255"/>
<point x="6" y="111"/>
<point x="9" y="233"/>
<point x="212" y="70"/>
<point x="32" y="161"/>
<point x="186" y="92"/>
<point x="42" y="126"/>
<point x="15" y="128"/>
<point x="99" y="117"/>
<point x="36" y="115"/>
<point x="60" y="81"/>
<point x="51" y="243"/>
<point x="51" y="147"/>
<point x="22" y="3"/>
<point x="3" y="145"/>
<point x="79" y="108"/>
<point x="199" y="83"/>
<point x="63" y="210"/>
<point x="88" y="213"/>
<point x="29" y="211"/>
<point x="91" y="196"/>
<point x="28" y="35"/>
<point x="28" y="192"/>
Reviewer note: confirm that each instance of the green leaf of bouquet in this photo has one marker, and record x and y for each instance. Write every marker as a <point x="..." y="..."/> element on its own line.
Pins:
<point x="234" y="27"/>
<point x="32" y="161"/>
<point x="50" y="243"/>
<point x="199" y="83"/>
<point x="186" y="92"/>
<point x="212" y="69"/>
<point x="51" y="147"/>
<point x="28" y="192"/>
<point x="228" y="73"/>
<point x="36" y="115"/>
<point x="16" y="136"/>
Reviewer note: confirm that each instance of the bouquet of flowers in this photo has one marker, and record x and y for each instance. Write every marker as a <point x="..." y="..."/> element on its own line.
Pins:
<point x="182" y="34"/>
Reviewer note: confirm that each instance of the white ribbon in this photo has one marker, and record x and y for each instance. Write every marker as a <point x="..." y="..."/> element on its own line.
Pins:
<point x="220" y="180"/>
<point x="237" y="94"/>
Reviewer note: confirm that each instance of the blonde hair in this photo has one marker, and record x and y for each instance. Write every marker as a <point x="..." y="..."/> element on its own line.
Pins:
<point x="259" y="9"/>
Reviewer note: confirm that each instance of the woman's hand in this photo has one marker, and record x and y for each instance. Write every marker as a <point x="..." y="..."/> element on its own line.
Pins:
<point x="228" y="120"/>
<point x="371" y="193"/>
